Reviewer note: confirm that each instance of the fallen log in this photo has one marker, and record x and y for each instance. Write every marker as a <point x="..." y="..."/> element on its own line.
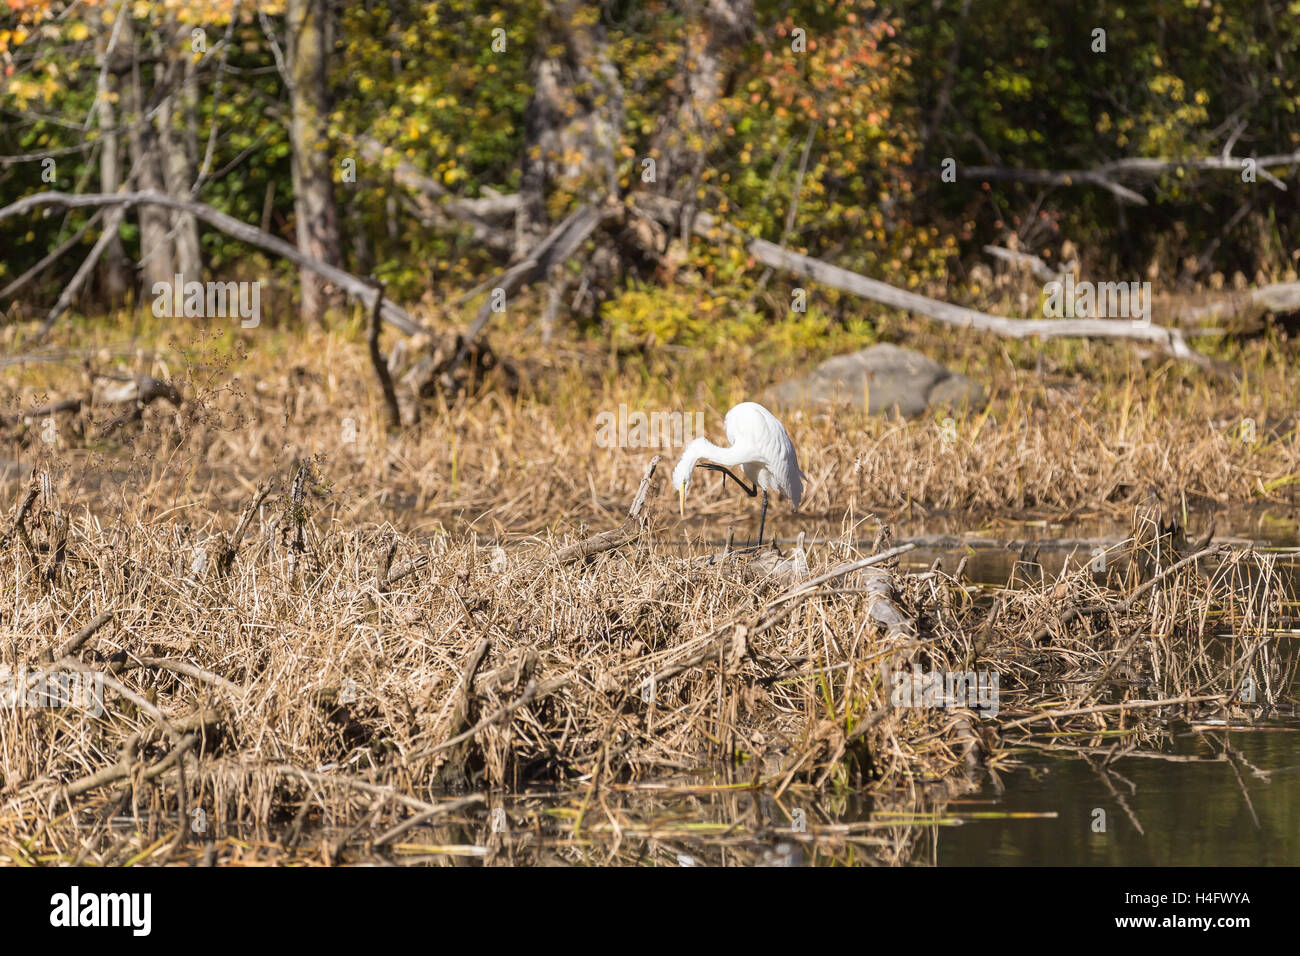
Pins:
<point x="1106" y="175"/>
<point x="732" y="636"/>
<point x="435" y="204"/>
<point x="70" y="646"/>
<point x="450" y="765"/>
<point x="1052" y="177"/>
<point x="1279" y="298"/>
<point x="138" y="390"/>
<point x="1092" y="610"/>
<point x="227" y="550"/>
<point x="1039" y="269"/>
<point x="1168" y="340"/>
<point x="765" y="562"/>
<point x="195" y="726"/>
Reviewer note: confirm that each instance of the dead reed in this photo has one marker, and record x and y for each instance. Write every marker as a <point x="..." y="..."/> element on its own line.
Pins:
<point x="318" y="642"/>
<point x="304" y="677"/>
<point x="1076" y="439"/>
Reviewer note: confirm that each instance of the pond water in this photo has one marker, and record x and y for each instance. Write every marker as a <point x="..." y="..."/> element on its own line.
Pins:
<point x="1183" y="802"/>
<point x="1197" y="809"/>
<point x="1211" y="813"/>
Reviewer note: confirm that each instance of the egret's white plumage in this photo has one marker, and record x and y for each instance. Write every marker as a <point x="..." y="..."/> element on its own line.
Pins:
<point x="760" y="447"/>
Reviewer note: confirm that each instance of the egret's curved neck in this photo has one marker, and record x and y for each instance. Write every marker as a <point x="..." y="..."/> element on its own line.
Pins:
<point x="703" y="448"/>
<point x="723" y="456"/>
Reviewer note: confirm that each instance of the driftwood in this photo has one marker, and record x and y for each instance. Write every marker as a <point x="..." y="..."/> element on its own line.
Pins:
<point x="513" y="674"/>
<point x="18" y="527"/>
<point x="1039" y="269"/>
<point x="143" y="389"/>
<point x="875" y="582"/>
<point x="761" y="562"/>
<point x="1280" y="298"/>
<point x="196" y="726"/>
<point x="436" y="205"/>
<point x="451" y="806"/>
<point x="730" y="641"/>
<point x="358" y="288"/>
<point x="428" y="810"/>
<point x="186" y="669"/>
<point x="1109" y="709"/>
<point x="406" y="569"/>
<point x="74" y="643"/>
<point x="228" y="549"/>
<point x="1049" y="177"/>
<point x="428" y="366"/>
<point x="451" y="769"/>
<point x="566" y="237"/>
<point x="627" y="532"/>
<point x="63" y="405"/>
<point x="532" y="692"/>
<point x="138" y="391"/>
<point x="882" y="603"/>
<point x="1091" y="610"/>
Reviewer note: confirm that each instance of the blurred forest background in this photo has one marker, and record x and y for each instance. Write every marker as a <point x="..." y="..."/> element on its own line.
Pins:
<point x="433" y="144"/>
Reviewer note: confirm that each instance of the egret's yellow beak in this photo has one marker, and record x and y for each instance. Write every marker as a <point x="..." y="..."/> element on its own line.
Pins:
<point x="681" y="499"/>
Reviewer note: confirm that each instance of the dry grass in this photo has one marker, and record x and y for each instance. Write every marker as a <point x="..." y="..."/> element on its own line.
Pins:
<point x="366" y="654"/>
<point x="1052" y="445"/>
<point x="329" y="691"/>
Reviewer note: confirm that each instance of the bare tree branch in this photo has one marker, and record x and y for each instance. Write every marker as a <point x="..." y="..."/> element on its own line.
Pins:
<point x="1106" y="175"/>
<point x="1048" y="177"/>
<point x="394" y="314"/>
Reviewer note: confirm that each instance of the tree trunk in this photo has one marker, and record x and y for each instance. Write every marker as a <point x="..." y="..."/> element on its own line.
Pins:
<point x="576" y="111"/>
<point x="313" y="185"/>
<point x="177" y="132"/>
<point x="115" y="277"/>
<point x="157" y="262"/>
<point x="681" y="143"/>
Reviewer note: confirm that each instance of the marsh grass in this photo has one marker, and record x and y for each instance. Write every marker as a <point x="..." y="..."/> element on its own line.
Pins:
<point x="368" y="654"/>
<point x="1090" y="433"/>
<point x="355" y="680"/>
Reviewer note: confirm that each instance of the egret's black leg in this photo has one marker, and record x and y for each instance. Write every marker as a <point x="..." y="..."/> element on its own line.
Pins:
<point x="762" y="518"/>
<point x="728" y="473"/>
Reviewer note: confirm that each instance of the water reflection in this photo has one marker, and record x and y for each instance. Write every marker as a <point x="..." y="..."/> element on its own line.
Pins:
<point x="1220" y="810"/>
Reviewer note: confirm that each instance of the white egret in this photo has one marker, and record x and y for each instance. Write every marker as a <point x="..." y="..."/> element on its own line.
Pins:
<point x="762" y="449"/>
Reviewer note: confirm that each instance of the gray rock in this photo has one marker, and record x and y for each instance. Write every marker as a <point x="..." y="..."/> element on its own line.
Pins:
<point x="890" y="378"/>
